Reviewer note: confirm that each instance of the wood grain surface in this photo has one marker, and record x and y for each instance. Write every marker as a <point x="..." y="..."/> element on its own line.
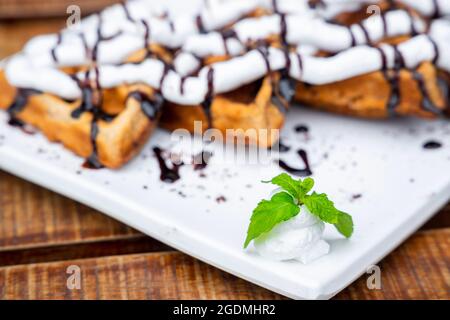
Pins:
<point x="13" y="9"/>
<point x="42" y="233"/>
<point x="419" y="269"/>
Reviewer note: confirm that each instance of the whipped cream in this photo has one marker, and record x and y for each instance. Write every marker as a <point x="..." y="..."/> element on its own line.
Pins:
<point x="299" y="238"/>
<point x="303" y="28"/>
<point x="36" y="66"/>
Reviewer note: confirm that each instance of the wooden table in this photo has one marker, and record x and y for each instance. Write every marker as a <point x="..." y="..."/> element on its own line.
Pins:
<point x="42" y="233"/>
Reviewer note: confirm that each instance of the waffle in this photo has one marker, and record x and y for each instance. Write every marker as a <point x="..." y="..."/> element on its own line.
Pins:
<point x="101" y="87"/>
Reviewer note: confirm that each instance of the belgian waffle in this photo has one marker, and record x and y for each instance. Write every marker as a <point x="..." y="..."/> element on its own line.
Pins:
<point x="101" y="86"/>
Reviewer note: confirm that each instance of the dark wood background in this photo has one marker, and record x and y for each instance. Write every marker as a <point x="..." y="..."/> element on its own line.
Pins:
<point x="42" y="233"/>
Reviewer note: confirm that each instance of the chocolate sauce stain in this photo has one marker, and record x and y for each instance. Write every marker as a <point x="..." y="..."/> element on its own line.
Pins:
<point x="201" y="160"/>
<point x="221" y="199"/>
<point x="432" y="144"/>
<point x="168" y="174"/>
<point x="301" y="128"/>
<point x="306" y="171"/>
<point x="280" y="147"/>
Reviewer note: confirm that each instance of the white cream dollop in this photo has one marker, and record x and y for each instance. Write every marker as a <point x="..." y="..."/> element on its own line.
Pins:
<point x="299" y="238"/>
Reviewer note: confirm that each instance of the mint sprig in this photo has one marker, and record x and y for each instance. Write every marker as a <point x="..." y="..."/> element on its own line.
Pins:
<point x="268" y="213"/>
<point x="286" y="205"/>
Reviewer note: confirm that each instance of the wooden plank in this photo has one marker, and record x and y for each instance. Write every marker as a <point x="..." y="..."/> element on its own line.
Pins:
<point x="419" y="269"/>
<point x="13" y="9"/>
<point x="32" y="216"/>
<point x="440" y="220"/>
<point x="82" y="250"/>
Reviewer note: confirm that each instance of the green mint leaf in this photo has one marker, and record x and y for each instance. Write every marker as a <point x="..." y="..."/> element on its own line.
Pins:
<point x="286" y="182"/>
<point x="345" y="224"/>
<point x="322" y="207"/>
<point x="305" y="187"/>
<point x="269" y="213"/>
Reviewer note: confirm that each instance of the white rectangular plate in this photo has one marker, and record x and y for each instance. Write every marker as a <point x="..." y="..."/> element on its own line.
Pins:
<point x="401" y="185"/>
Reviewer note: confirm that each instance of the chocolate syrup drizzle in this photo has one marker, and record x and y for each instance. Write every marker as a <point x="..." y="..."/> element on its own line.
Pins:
<point x="285" y="90"/>
<point x="89" y="103"/>
<point x="53" y="51"/>
<point x="166" y="70"/>
<point x="394" y="81"/>
<point x="393" y="78"/>
<point x="262" y="49"/>
<point x="283" y="147"/>
<point x="92" y="100"/>
<point x="92" y="162"/>
<point x="365" y="32"/>
<point x="275" y="6"/>
<point x="352" y="37"/>
<point x="228" y="34"/>
<point x="313" y="4"/>
<point x="194" y="72"/>
<point x="151" y="107"/>
<point x="19" y="103"/>
<point x="127" y="12"/>
<point x="146" y="38"/>
<point x="436" y="11"/>
<point x="306" y="171"/>
<point x="201" y="160"/>
<point x="432" y="144"/>
<point x="427" y="102"/>
<point x="301" y="128"/>
<point x="200" y="25"/>
<point x="206" y="104"/>
<point x="168" y="174"/>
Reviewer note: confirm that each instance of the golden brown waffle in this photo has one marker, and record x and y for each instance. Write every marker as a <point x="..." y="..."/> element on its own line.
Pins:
<point x="117" y="140"/>
<point x="247" y="108"/>
<point x="368" y="96"/>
